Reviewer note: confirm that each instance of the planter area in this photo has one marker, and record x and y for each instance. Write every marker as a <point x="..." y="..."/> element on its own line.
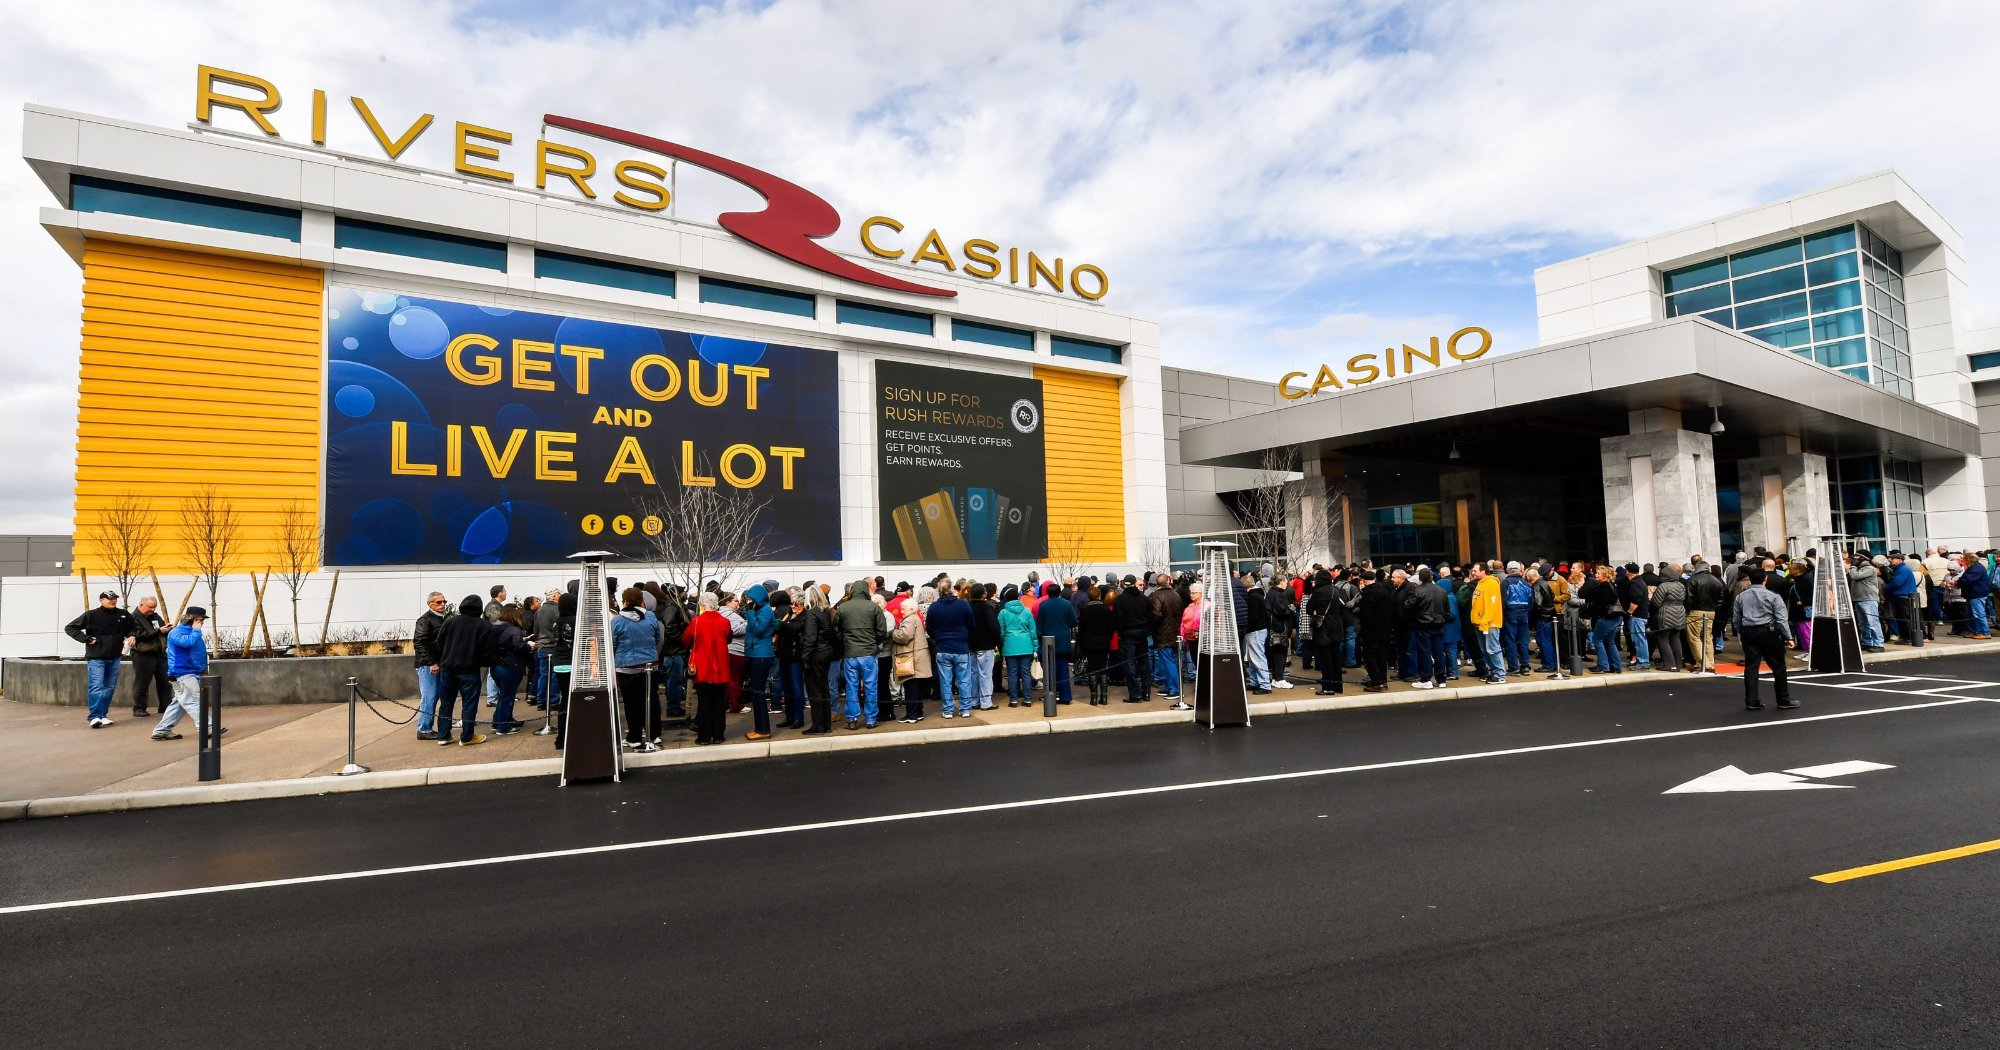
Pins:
<point x="270" y="680"/>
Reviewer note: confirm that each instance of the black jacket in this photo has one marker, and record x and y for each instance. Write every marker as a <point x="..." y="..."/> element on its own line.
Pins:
<point x="819" y="643"/>
<point x="788" y="640"/>
<point x="102" y="631"/>
<point x="423" y="640"/>
<point x="461" y="644"/>
<point x="1429" y="605"/>
<point x="1600" y="600"/>
<point x="1378" y="612"/>
<point x="1094" y="627"/>
<point x="1704" y="592"/>
<point x="1133" y="612"/>
<point x="149" y="633"/>
<point x="985" y="634"/>
<point x="507" y="645"/>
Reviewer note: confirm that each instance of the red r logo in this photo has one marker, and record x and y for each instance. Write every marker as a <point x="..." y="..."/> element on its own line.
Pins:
<point x="791" y="222"/>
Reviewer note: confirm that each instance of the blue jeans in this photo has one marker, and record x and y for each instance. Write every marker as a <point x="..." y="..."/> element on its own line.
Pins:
<point x="792" y="683"/>
<point x="760" y="673"/>
<point x="507" y="682"/>
<point x="1350" y="647"/>
<point x="1450" y="649"/>
<point x="1642" y="651"/>
<point x="1020" y="683"/>
<point x="1604" y="639"/>
<point x="1545" y="638"/>
<point x="1514" y="638"/>
<point x="673" y="676"/>
<point x="1869" y="616"/>
<point x="1166" y="671"/>
<point x="427" y="698"/>
<point x="982" y="678"/>
<point x="860" y="674"/>
<point x="1429" y="643"/>
<point x="1406" y="657"/>
<point x="954" y="682"/>
<point x="1253" y="660"/>
<point x="545" y="678"/>
<point x="103" y="683"/>
<point x="1132" y="649"/>
<point x="461" y="687"/>
<point x="1496" y="664"/>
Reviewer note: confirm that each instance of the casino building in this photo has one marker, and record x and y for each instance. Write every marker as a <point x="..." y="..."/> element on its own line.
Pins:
<point x="462" y="375"/>
<point x="1791" y="372"/>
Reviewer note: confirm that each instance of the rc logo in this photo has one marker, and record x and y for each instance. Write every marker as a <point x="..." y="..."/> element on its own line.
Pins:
<point x="1026" y="417"/>
<point x="789" y="226"/>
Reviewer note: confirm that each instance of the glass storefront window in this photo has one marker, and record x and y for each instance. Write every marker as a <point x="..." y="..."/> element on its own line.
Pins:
<point x="1695" y="276"/>
<point x="1783" y="308"/>
<point x="1774" y="282"/>
<point x="1839" y="268"/>
<point x="1836" y="297"/>
<point x="1757" y="259"/>
<point x="1697" y="301"/>
<point x="1838" y="239"/>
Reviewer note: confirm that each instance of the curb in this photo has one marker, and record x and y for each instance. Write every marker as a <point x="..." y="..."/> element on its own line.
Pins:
<point x="163" y="798"/>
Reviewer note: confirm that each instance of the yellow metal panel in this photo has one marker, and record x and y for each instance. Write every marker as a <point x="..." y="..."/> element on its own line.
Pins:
<point x="197" y="370"/>
<point x="1083" y="435"/>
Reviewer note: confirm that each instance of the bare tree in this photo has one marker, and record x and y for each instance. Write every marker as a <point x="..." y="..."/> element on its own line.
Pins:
<point x="210" y="531"/>
<point x="1068" y="543"/>
<point x="1286" y="515"/>
<point x="298" y="553"/>
<point x="1156" y="555"/>
<point x="125" y="537"/>
<point x="704" y="533"/>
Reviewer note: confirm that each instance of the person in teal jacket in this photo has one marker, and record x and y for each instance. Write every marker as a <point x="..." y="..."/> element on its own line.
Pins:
<point x="1017" y="648"/>
<point x="760" y="659"/>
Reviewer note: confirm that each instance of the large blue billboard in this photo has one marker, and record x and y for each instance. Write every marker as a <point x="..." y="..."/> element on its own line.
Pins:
<point x="466" y="434"/>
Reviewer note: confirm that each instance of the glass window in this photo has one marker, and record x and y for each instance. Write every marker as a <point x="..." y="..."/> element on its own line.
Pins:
<point x="1839" y="268"/>
<point x="1840" y="239"/>
<point x="1865" y="525"/>
<point x="1837" y="297"/>
<point x="1860" y="372"/>
<point x="1841" y="354"/>
<point x="1896" y="313"/>
<point x="1695" y="302"/>
<point x="1765" y="258"/>
<point x="757" y="297"/>
<point x="873" y="316"/>
<point x="1981" y="361"/>
<point x="1860" y="468"/>
<point x="1695" y="276"/>
<point x="418" y="244"/>
<point x="1861" y="497"/>
<point x="1902" y="387"/>
<point x="584" y="270"/>
<point x="1770" y="311"/>
<point x="1720" y="317"/>
<point x="193" y="209"/>
<point x="1837" y="326"/>
<point x="1893" y="284"/>
<point x="1109" y="353"/>
<point x="992" y="335"/>
<point x="1775" y="282"/>
<point x="1796" y="333"/>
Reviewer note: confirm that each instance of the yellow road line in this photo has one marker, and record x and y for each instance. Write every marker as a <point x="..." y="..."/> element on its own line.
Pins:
<point x="1907" y="862"/>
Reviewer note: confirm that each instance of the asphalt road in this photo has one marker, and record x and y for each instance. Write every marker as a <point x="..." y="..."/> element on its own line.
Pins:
<point x="1447" y="896"/>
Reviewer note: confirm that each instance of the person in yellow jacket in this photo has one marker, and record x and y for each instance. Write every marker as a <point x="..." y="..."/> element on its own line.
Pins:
<point x="1487" y="619"/>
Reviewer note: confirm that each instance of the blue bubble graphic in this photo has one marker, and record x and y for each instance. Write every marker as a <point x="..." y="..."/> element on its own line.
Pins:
<point x="351" y="343"/>
<point x="418" y="333"/>
<point x="486" y="534"/>
<point x="720" y="350"/>
<point x="354" y="401"/>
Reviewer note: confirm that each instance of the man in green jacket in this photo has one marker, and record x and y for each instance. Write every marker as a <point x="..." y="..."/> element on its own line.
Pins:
<point x="860" y="625"/>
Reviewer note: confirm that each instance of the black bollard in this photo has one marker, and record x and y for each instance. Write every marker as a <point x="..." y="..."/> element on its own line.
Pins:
<point x="1048" y="676"/>
<point x="208" y="729"/>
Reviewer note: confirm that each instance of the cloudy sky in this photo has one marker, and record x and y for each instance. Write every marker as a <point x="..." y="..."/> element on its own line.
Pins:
<point x="1279" y="181"/>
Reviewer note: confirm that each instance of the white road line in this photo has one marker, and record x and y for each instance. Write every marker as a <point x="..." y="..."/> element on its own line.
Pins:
<point x="994" y="807"/>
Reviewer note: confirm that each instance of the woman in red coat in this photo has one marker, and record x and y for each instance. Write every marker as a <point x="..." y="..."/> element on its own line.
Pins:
<point x="707" y="640"/>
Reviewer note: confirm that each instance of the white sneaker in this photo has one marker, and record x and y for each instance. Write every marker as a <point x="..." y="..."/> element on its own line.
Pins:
<point x="1423" y="685"/>
<point x="104" y="721"/>
<point x="947" y="714"/>
<point x="1281" y="684"/>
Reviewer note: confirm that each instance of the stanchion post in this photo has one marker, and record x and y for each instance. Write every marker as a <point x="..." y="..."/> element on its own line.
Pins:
<point x="1050" y="695"/>
<point x="208" y="729"/>
<point x="353" y="701"/>
<point x="1561" y="628"/>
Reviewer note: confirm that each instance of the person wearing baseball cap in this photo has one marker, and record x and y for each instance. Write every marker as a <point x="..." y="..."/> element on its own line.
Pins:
<point x="103" y="631"/>
<point x="187" y="658"/>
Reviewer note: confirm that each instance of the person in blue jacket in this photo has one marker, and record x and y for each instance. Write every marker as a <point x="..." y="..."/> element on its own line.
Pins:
<point x="635" y="651"/>
<point x="1057" y="620"/>
<point x="187" y="659"/>
<point x="760" y="659"/>
<point x="1901" y="590"/>
<point x="1017" y="648"/>
<point x="1975" y="585"/>
<point x="949" y="623"/>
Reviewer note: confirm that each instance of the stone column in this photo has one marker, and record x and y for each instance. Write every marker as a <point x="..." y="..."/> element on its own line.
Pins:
<point x="1659" y="490"/>
<point x="1787" y="500"/>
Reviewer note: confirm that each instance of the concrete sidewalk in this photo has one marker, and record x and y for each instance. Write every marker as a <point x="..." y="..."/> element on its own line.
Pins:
<point x="52" y="764"/>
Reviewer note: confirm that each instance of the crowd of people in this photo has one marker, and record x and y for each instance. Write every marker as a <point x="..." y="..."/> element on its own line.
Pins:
<point x="814" y="657"/>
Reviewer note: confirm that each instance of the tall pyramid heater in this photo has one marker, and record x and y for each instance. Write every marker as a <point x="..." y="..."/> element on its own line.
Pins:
<point x="1836" y="634"/>
<point x="590" y="734"/>
<point x="1219" y="699"/>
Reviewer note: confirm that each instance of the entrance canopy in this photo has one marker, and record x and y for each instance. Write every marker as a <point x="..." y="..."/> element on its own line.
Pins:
<point x="1553" y="404"/>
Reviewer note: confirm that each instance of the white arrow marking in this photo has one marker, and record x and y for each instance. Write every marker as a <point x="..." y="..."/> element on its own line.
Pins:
<point x="1730" y="778"/>
<point x="1837" y="769"/>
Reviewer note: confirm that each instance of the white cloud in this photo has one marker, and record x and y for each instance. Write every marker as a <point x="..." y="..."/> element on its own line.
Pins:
<point x="1245" y="172"/>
